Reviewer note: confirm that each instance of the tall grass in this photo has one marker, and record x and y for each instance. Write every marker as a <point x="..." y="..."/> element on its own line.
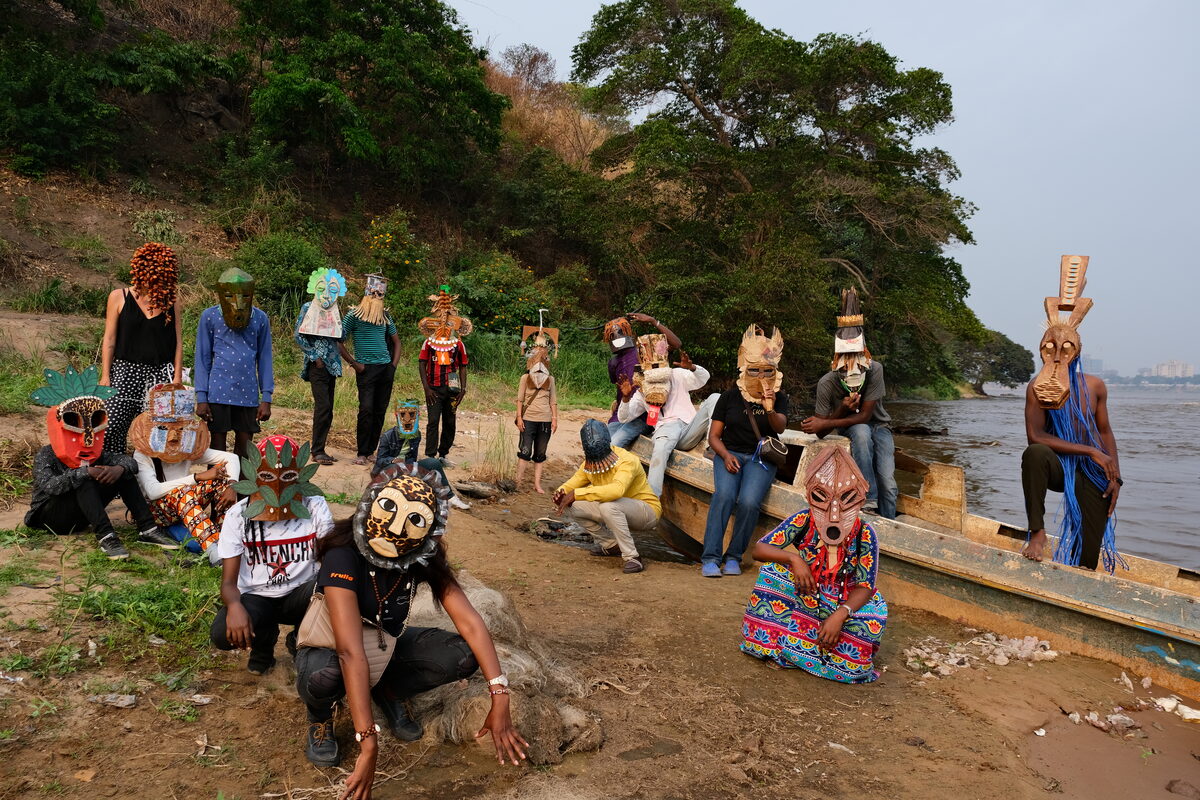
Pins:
<point x="19" y="376"/>
<point x="54" y="297"/>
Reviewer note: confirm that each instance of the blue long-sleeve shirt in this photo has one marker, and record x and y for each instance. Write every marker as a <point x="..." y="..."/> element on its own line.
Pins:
<point x="233" y="367"/>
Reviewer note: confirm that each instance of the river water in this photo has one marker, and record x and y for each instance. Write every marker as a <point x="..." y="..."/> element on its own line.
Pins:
<point x="1157" y="431"/>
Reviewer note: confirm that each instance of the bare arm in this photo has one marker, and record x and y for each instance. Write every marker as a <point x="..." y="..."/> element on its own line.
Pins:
<point x="672" y="340"/>
<point x="178" y="313"/>
<point x="394" y="347"/>
<point x="238" y="629"/>
<point x="356" y="676"/>
<point x="112" y="312"/>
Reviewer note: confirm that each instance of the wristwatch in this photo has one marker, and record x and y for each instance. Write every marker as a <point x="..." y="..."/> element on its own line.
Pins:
<point x="499" y="680"/>
<point x="360" y="735"/>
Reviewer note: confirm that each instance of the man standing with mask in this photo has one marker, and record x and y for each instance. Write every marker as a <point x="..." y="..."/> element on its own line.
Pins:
<point x="850" y="403"/>
<point x="376" y="354"/>
<point x="234" y="373"/>
<point x="319" y="335"/>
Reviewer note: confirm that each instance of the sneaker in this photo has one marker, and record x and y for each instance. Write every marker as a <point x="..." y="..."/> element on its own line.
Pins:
<point x="111" y="546"/>
<point x="321" y="749"/>
<point x="260" y="663"/>
<point x="601" y="550"/>
<point x="401" y="724"/>
<point x="459" y="503"/>
<point x="709" y="569"/>
<point x="156" y="536"/>
<point x="633" y="565"/>
<point x="732" y="567"/>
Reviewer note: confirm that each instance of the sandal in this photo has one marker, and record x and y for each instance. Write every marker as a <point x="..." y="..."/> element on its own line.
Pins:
<point x="323" y="459"/>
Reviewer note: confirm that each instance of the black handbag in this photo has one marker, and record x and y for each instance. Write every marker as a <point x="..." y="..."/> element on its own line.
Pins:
<point x="770" y="450"/>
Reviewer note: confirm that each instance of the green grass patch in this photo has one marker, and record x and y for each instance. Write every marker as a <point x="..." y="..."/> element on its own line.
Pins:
<point x="19" y="376"/>
<point x="15" y="661"/>
<point x="23" y="537"/>
<point x="157" y="225"/>
<point x="20" y="568"/>
<point x="55" y="297"/>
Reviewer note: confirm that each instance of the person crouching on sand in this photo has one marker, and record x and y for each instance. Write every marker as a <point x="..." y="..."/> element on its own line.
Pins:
<point x="402" y="445"/>
<point x="366" y="650"/>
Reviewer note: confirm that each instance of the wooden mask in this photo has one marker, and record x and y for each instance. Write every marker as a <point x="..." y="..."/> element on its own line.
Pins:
<point x="1060" y="344"/>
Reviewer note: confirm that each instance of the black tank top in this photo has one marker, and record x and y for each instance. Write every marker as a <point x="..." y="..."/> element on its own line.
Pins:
<point x="142" y="340"/>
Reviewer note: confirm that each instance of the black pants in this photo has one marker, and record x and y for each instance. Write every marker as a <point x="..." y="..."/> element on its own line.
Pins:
<point x="266" y="615"/>
<point x="374" y="393"/>
<point x="86" y="506"/>
<point x="424" y="659"/>
<point x="442" y="410"/>
<point x="535" y="437"/>
<point x="1041" y="470"/>
<point x="323" y="385"/>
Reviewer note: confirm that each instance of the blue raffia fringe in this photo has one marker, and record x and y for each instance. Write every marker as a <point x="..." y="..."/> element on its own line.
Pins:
<point x="1075" y="423"/>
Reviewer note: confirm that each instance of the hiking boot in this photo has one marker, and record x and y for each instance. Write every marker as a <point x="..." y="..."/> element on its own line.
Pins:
<point x="601" y="550"/>
<point x="402" y="725"/>
<point x="459" y="503"/>
<point x="156" y="536"/>
<point x="321" y="749"/>
<point x="633" y="565"/>
<point x="260" y="663"/>
<point x="732" y="567"/>
<point x="289" y="642"/>
<point x="111" y="546"/>
<point x="709" y="569"/>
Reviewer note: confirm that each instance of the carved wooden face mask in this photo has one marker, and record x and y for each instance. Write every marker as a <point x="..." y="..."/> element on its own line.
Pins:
<point x="836" y="494"/>
<point x="445" y="326"/>
<point x="758" y="365"/>
<point x="323" y="317"/>
<point x="76" y="418"/>
<point x="1060" y="344"/>
<point x="401" y="516"/>
<point x="619" y="334"/>
<point x="408" y="418"/>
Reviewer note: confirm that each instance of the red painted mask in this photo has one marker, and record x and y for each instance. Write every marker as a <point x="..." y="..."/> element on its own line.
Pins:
<point x="76" y="430"/>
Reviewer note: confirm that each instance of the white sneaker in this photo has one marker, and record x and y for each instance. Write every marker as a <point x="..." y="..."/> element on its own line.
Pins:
<point x="459" y="503"/>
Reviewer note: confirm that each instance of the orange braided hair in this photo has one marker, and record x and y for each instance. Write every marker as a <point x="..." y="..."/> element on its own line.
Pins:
<point x="154" y="273"/>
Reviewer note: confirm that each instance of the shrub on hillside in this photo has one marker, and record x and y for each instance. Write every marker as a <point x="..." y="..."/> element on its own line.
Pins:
<point x="280" y="264"/>
<point x="394" y="248"/>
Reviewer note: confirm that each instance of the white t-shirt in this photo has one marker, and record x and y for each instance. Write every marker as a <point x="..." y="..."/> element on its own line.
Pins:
<point x="277" y="557"/>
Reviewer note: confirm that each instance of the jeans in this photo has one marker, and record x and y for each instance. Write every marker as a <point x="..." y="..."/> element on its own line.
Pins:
<point x="1042" y="471"/>
<point x="323" y="385"/>
<point x="374" y="393"/>
<point x="674" y="433"/>
<point x="742" y="492"/>
<point x="266" y="615"/>
<point x="610" y="523"/>
<point x="443" y="410"/>
<point x="87" y="505"/>
<point x="424" y="659"/>
<point x="624" y="434"/>
<point x="874" y="452"/>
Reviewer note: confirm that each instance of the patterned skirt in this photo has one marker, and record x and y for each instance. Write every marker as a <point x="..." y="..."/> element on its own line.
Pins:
<point x="132" y="382"/>
<point x="781" y="627"/>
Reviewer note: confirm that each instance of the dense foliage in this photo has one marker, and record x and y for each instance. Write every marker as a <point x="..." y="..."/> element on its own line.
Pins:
<point x="997" y="359"/>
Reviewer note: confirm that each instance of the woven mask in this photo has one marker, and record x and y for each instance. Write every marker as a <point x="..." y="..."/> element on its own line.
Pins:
<point x="277" y="478"/>
<point x="758" y="365"/>
<point x="851" y="357"/>
<point x="653" y="375"/>
<point x="76" y="418"/>
<point x="169" y="429"/>
<point x="408" y="418"/>
<point x="401" y="516"/>
<point x="323" y="317"/>
<point x="445" y="326"/>
<point x="619" y="334"/>
<point x="535" y="344"/>
<point x="836" y="492"/>
<point x="598" y="455"/>
<point x="235" y="293"/>
<point x="1060" y="344"/>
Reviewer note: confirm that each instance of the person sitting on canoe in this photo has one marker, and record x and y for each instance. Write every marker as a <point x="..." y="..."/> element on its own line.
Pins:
<point x="1071" y="445"/>
<point x="608" y="496"/>
<point x="850" y="403"/>
<point x="815" y="606"/>
<point x="618" y="333"/>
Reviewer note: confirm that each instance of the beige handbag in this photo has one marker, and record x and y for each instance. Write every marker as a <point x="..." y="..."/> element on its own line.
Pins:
<point x="316" y="630"/>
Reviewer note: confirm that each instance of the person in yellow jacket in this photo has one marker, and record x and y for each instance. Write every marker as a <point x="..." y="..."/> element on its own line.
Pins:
<point x="608" y="496"/>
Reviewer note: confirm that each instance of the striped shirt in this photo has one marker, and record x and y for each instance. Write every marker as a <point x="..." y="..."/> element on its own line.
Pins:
<point x="437" y="372"/>
<point x="370" y="340"/>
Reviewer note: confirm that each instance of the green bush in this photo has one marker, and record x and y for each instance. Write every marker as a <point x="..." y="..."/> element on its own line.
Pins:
<point x="157" y="225"/>
<point x="159" y="64"/>
<point x="394" y="248"/>
<point x="53" y="297"/>
<point x="280" y="264"/>
<point x="497" y="293"/>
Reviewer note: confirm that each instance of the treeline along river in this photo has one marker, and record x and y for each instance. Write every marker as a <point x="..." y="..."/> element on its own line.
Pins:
<point x="1157" y="432"/>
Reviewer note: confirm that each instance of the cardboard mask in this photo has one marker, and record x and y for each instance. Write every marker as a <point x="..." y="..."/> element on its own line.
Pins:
<point x="408" y="418"/>
<point x="1060" y="344"/>
<point x="401" y="517"/>
<point x="371" y="308"/>
<point x="277" y="477"/>
<point x="169" y="429"/>
<point x="836" y="492"/>
<point x="653" y="374"/>
<point x="235" y="293"/>
<point x="850" y="354"/>
<point x="619" y="334"/>
<point x="758" y="365"/>
<point x="445" y="326"/>
<point x="326" y="285"/>
<point x="535" y="344"/>
<point x="76" y="417"/>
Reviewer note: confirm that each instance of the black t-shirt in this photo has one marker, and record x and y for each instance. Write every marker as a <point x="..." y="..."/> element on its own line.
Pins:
<point x="345" y="568"/>
<point x="738" y="436"/>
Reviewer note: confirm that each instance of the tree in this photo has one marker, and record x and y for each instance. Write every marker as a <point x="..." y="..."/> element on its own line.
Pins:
<point x="397" y="85"/>
<point x="996" y="359"/>
<point x="769" y="173"/>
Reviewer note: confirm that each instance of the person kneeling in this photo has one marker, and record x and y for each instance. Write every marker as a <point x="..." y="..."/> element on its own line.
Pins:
<point x="815" y="607"/>
<point x="267" y="550"/>
<point x="370" y="570"/>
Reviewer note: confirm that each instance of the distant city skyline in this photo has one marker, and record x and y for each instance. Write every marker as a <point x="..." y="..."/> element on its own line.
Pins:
<point x="1069" y="119"/>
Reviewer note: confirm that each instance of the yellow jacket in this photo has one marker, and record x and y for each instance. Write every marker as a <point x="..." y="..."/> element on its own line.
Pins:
<point x="625" y="479"/>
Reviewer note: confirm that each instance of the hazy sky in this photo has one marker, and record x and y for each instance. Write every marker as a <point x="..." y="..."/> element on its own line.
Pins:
<point x="1075" y="131"/>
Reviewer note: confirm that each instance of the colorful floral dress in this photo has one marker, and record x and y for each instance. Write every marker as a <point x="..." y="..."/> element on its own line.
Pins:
<point x="782" y="627"/>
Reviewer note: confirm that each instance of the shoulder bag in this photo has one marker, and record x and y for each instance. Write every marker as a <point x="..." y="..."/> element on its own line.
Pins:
<point x="770" y="450"/>
<point x="316" y="630"/>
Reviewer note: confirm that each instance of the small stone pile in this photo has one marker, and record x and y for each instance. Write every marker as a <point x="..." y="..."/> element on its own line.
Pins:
<point x="935" y="658"/>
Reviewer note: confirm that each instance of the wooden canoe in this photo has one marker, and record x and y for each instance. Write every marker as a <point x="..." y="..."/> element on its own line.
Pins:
<point x="939" y="558"/>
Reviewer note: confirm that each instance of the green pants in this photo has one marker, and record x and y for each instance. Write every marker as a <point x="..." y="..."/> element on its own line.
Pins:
<point x="1041" y="469"/>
